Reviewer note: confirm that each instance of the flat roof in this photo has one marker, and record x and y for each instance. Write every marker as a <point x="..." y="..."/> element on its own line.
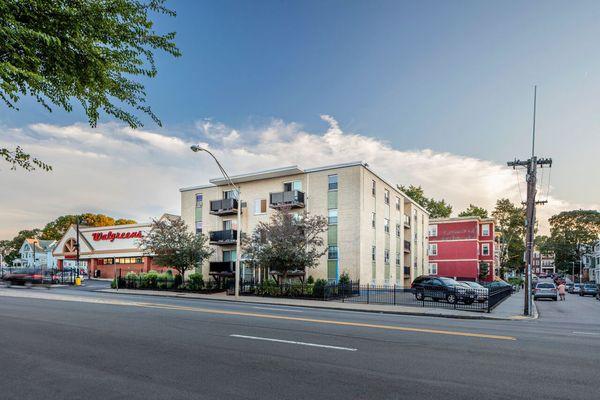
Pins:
<point x="459" y="219"/>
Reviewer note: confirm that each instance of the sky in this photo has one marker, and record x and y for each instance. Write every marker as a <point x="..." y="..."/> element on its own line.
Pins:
<point x="432" y="93"/>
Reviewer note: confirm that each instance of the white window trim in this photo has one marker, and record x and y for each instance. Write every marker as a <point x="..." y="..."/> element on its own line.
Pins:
<point x="433" y="265"/>
<point x="433" y="230"/>
<point x="433" y="249"/>
<point x="483" y="231"/>
<point x="485" y="246"/>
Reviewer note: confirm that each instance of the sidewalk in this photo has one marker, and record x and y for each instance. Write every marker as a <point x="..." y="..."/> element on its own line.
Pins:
<point x="510" y="309"/>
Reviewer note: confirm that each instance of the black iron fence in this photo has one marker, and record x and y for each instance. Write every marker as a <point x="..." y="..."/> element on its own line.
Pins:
<point x="460" y="298"/>
<point x="165" y="282"/>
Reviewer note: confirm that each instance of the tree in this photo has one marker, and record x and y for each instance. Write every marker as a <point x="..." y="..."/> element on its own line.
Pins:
<point x="55" y="230"/>
<point x="86" y="51"/>
<point x="484" y="270"/>
<point x="571" y="232"/>
<point x="544" y="244"/>
<point x="436" y="208"/>
<point x="510" y="225"/>
<point x="10" y="248"/>
<point x="288" y="242"/>
<point x="172" y="245"/>
<point x="474" y="211"/>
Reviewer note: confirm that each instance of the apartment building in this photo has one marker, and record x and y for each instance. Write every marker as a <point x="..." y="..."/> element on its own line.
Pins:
<point x="543" y="264"/>
<point x="376" y="233"/>
<point x="458" y="246"/>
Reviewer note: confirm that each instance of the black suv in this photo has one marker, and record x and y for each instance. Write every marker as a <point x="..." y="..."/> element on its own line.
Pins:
<point x="439" y="288"/>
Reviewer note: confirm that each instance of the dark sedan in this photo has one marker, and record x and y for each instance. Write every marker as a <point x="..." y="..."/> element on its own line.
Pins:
<point x="439" y="288"/>
<point x="588" y="289"/>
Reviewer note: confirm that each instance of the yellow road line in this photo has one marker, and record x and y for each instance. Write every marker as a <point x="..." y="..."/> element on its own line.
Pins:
<point x="116" y="302"/>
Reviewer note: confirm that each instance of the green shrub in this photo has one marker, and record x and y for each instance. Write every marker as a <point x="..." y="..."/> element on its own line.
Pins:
<point x="310" y="280"/>
<point x="319" y="288"/>
<point x="113" y="284"/>
<point x="344" y="279"/>
<point x="195" y="281"/>
<point x="151" y="279"/>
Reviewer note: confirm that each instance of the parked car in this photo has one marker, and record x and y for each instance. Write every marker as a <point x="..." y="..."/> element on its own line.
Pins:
<point x="545" y="290"/>
<point x="439" y="288"/>
<point x="22" y="276"/>
<point x="481" y="291"/>
<point x="569" y="286"/>
<point x="588" y="289"/>
<point x="576" y="288"/>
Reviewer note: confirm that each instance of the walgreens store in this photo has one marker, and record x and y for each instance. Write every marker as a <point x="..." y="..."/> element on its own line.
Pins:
<point x="106" y="251"/>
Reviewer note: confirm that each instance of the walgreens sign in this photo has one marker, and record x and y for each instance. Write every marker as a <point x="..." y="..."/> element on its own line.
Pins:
<point x="111" y="236"/>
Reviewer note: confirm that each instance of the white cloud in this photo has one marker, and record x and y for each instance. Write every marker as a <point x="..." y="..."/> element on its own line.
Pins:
<point x="137" y="173"/>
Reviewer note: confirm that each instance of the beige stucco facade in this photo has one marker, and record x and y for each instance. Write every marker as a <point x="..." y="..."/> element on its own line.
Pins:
<point x="354" y="235"/>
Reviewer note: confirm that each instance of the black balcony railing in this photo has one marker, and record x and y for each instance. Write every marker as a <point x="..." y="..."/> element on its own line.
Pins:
<point x="407" y="246"/>
<point x="224" y="207"/>
<point x="221" y="268"/>
<point x="406" y="220"/>
<point x="292" y="198"/>
<point x="223" y="237"/>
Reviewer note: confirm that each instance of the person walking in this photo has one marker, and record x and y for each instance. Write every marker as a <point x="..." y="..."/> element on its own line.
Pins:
<point x="561" y="291"/>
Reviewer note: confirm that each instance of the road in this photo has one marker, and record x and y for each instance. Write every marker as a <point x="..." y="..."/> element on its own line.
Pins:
<point x="77" y="343"/>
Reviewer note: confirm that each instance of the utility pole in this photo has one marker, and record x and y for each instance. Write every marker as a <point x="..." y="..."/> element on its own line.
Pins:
<point x="77" y="247"/>
<point x="531" y="165"/>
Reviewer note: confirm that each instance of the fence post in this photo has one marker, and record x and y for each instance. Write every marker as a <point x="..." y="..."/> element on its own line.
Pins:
<point x="368" y="289"/>
<point x="394" y="294"/>
<point x="455" y="298"/>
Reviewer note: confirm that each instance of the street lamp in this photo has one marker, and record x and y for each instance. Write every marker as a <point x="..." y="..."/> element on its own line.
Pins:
<point x="195" y="149"/>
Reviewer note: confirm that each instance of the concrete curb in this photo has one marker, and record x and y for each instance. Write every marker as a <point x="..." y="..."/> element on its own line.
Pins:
<point x="482" y="316"/>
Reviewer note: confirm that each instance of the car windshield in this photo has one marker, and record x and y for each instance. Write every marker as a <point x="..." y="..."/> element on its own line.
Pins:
<point x="588" y="286"/>
<point x="448" y="281"/>
<point x="472" y="284"/>
<point x="546" y="285"/>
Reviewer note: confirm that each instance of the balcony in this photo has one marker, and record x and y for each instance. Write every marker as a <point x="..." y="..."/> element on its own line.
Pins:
<point x="222" y="238"/>
<point x="222" y="268"/>
<point x="292" y="199"/>
<point x="224" y="207"/>
<point x="406" y="220"/>
<point x="407" y="246"/>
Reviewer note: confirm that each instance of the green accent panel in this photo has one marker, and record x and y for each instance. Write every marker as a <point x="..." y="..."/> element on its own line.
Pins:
<point x="332" y="269"/>
<point x="198" y="213"/>
<point x="398" y="273"/>
<point x="332" y="199"/>
<point x="332" y="235"/>
<point x="387" y="272"/>
<point x="373" y="271"/>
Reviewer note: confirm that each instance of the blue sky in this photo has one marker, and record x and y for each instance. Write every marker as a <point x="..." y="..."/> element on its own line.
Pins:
<point x="452" y="77"/>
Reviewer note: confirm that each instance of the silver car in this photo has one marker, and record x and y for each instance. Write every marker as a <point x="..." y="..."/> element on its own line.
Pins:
<point x="481" y="292"/>
<point x="545" y="290"/>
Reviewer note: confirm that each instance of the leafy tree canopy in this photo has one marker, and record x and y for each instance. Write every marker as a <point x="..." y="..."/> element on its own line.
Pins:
<point x="85" y="51"/>
<point x="54" y="230"/>
<point x="571" y="232"/>
<point x="474" y="211"/>
<point x="510" y="224"/>
<point x="436" y="208"/>
<point x="173" y="245"/>
<point x="287" y="242"/>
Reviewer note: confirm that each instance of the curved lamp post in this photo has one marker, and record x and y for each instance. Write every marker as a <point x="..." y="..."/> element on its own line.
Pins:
<point x="196" y="149"/>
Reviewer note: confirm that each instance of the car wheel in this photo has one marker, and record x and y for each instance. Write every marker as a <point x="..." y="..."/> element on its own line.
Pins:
<point x="451" y="298"/>
<point x="419" y="296"/>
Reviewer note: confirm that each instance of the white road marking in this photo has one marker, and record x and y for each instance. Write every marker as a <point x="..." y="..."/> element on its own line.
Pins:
<point x="587" y="333"/>
<point x="293" y="342"/>
<point x="277" y="309"/>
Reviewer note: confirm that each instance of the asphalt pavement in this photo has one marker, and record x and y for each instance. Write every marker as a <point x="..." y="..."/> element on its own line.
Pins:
<point x="74" y="343"/>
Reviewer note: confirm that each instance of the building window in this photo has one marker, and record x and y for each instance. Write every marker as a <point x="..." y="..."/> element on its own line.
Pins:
<point x="373" y="218"/>
<point x="397" y="259"/>
<point x="398" y="230"/>
<point x="485" y="230"/>
<point x="260" y="206"/>
<point x="485" y="249"/>
<point x="433" y="250"/>
<point x="386" y="256"/>
<point x="398" y="203"/>
<point x="199" y="200"/>
<point x="199" y="227"/>
<point x="433" y="230"/>
<point x="373" y="186"/>
<point x="332" y="253"/>
<point x="333" y="216"/>
<point x="386" y="225"/>
<point x="332" y="182"/>
<point x="294" y="185"/>
<point x="373" y="253"/>
<point x="386" y="196"/>
<point x="229" y="194"/>
<point x="128" y="260"/>
<point x="433" y="269"/>
<point x="229" y="255"/>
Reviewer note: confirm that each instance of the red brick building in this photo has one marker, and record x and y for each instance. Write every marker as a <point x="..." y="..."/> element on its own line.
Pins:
<point x="458" y="246"/>
<point x="108" y="250"/>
